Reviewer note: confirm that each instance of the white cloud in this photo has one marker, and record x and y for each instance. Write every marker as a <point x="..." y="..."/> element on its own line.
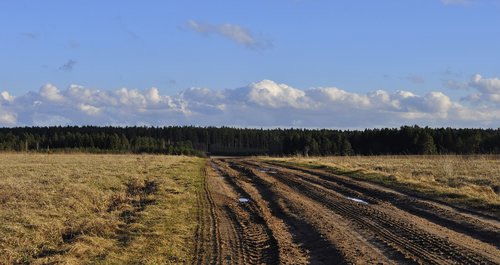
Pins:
<point x="7" y="118"/>
<point x="237" y="33"/>
<point x="267" y="93"/>
<point x="42" y="119"/>
<point x="438" y="103"/>
<point x="6" y="97"/>
<point x="131" y="97"/>
<point x="200" y="94"/>
<point x="233" y="32"/>
<point x="261" y="104"/>
<point x="199" y="27"/>
<point x="486" y="116"/>
<point x="153" y="95"/>
<point x="89" y="109"/>
<point x="332" y="97"/>
<point x="487" y="90"/>
<point x="203" y="100"/>
<point x="51" y="93"/>
<point x="485" y="85"/>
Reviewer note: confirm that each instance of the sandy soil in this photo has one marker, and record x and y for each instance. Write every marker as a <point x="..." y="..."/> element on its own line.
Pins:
<point x="252" y="212"/>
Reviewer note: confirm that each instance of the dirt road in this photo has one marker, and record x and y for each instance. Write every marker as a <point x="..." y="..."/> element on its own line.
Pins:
<point x="252" y="212"/>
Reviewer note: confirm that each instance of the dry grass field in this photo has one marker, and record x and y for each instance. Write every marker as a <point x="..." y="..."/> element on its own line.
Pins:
<point x="152" y="209"/>
<point x="98" y="209"/>
<point x="468" y="181"/>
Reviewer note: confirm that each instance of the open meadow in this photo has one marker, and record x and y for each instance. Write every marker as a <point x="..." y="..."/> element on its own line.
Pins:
<point x="98" y="209"/>
<point x="155" y="209"/>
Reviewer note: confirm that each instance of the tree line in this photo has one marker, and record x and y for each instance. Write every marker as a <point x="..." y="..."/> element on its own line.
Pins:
<point x="190" y="140"/>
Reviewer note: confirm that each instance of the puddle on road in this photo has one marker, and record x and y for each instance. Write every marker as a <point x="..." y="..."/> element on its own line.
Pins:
<point x="267" y="170"/>
<point x="357" y="200"/>
<point x="243" y="200"/>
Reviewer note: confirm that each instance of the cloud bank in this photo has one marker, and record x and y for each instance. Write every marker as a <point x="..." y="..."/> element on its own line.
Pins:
<point x="261" y="104"/>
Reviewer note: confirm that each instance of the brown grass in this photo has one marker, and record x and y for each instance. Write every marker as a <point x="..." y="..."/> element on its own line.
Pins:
<point x="97" y="209"/>
<point x="471" y="181"/>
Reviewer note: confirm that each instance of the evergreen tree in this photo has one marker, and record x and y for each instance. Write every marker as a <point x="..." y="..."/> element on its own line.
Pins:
<point x="426" y="144"/>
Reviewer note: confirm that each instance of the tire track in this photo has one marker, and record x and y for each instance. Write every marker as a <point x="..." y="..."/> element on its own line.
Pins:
<point x="207" y="236"/>
<point x="461" y="223"/>
<point x="319" y="250"/>
<point x="239" y="234"/>
<point x="400" y="236"/>
<point x="259" y="239"/>
<point x="215" y="237"/>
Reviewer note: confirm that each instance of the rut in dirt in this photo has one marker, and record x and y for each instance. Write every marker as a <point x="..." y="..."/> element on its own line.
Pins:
<point x="230" y="232"/>
<point x="452" y="219"/>
<point x="396" y="234"/>
<point x="278" y="223"/>
<point x="319" y="250"/>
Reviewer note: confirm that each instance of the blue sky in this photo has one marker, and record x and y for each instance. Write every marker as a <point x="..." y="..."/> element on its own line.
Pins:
<point x="301" y="63"/>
